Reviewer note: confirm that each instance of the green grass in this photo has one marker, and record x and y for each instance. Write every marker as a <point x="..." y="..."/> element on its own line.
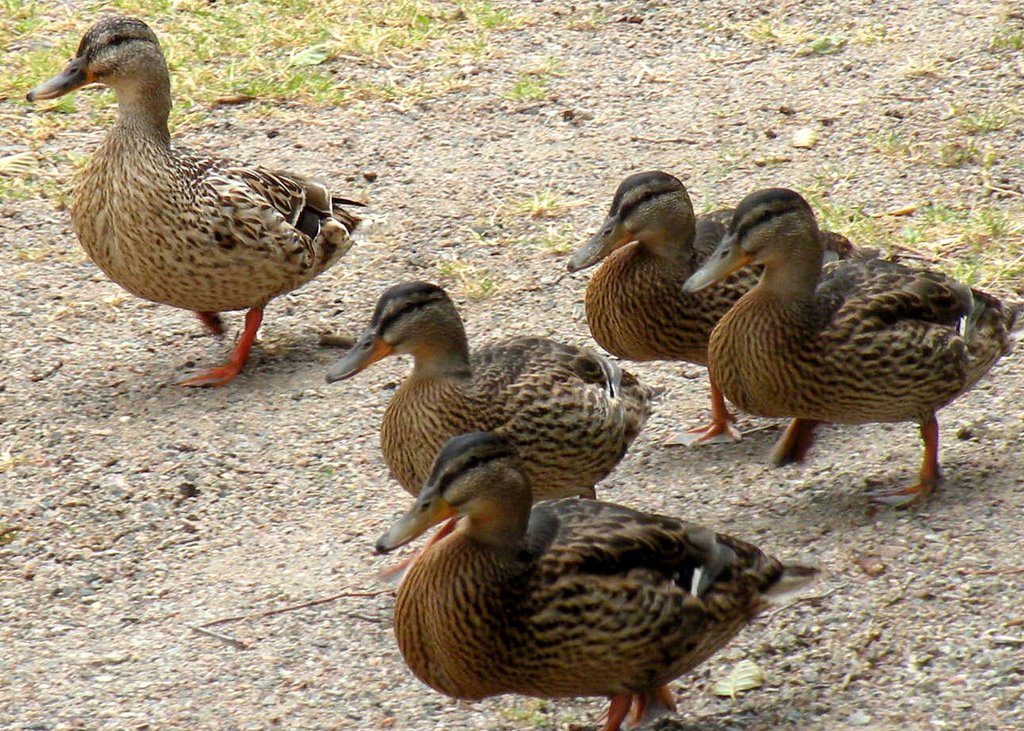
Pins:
<point x="8" y="533"/>
<point x="284" y="59"/>
<point x="1007" y="39"/>
<point x="529" y="87"/>
<point x="892" y="143"/>
<point x="988" y="119"/>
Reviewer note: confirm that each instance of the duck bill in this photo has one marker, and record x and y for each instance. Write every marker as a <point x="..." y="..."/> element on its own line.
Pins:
<point x="429" y="510"/>
<point x="600" y="245"/>
<point x="363" y="354"/>
<point x="724" y="260"/>
<point x="72" y="77"/>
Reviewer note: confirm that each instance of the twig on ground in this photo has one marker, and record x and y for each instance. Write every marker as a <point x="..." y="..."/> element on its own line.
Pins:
<point x="1004" y="191"/>
<point x="237" y="644"/>
<point x="663" y="140"/>
<point x="303" y="605"/>
<point x="741" y="61"/>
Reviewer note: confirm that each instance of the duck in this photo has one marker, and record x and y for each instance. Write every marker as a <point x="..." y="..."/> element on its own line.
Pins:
<point x="650" y="243"/>
<point x="571" y="412"/>
<point x="861" y="341"/>
<point x="184" y="229"/>
<point x="567" y="598"/>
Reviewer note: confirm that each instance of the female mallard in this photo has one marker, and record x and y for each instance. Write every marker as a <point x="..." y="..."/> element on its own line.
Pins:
<point x="865" y="341"/>
<point x="651" y="242"/>
<point x="182" y="229"/>
<point x="571" y="598"/>
<point x="570" y="412"/>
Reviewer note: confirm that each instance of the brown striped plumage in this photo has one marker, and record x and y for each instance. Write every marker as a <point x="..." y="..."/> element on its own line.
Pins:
<point x="861" y="341"/>
<point x="651" y="243"/>
<point x="182" y="229"/>
<point x="573" y="598"/>
<point x="570" y="412"/>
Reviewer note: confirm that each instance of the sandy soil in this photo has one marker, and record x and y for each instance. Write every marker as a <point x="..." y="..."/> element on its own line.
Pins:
<point x="141" y="508"/>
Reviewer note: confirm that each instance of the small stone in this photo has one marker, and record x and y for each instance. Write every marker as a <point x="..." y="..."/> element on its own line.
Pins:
<point x="858" y="718"/>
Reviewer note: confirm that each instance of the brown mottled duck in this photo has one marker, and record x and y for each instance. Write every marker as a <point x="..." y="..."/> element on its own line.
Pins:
<point x="650" y="243"/>
<point x="570" y="412"/>
<point x="863" y="341"/>
<point x="184" y="229"/>
<point x="571" y="597"/>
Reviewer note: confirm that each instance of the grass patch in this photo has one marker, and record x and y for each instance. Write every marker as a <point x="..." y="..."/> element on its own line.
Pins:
<point x="554" y="239"/>
<point x="989" y="119"/>
<point x="775" y="30"/>
<point x="957" y="154"/>
<point x="401" y="51"/>
<point x="920" y="66"/>
<point x="535" y="84"/>
<point x="544" y="203"/>
<point x="892" y="143"/>
<point x="824" y="45"/>
<point x="983" y="246"/>
<point x="467" y="280"/>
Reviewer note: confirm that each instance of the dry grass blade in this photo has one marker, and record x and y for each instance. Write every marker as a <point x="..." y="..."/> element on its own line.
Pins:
<point x="19" y="164"/>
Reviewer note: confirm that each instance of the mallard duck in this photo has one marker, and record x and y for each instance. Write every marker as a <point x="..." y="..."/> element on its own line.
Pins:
<point x="571" y="597"/>
<point x="571" y="412"/>
<point x="650" y="243"/>
<point x="864" y="341"/>
<point x="183" y="229"/>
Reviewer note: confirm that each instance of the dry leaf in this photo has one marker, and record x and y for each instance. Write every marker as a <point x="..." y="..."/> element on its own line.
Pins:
<point x="805" y="138"/>
<point x="745" y="675"/>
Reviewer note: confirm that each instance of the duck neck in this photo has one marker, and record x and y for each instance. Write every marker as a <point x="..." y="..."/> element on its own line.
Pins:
<point x="670" y="245"/>
<point x="796" y="276"/>
<point x="444" y="354"/>
<point x="144" y="107"/>
<point x="501" y="523"/>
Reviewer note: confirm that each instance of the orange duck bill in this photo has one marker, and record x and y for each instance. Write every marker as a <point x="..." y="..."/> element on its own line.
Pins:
<point x="368" y="350"/>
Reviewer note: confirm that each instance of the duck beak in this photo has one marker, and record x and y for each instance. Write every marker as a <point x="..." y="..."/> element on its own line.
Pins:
<point x="366" y="352"/>
<point x="611" y="237"/>
<point x="429" y="510"/>
<point x="724" y="260"/>
<point x="73" y="77"/>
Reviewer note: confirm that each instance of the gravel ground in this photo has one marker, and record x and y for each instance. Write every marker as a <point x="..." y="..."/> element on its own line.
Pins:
<point x="139" y="509"/>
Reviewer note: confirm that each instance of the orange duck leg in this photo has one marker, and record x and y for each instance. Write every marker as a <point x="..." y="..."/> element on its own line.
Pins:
<point x="226" y="373"/>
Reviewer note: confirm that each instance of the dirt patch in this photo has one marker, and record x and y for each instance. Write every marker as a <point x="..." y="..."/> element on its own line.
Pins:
<point x="131" y="509"/>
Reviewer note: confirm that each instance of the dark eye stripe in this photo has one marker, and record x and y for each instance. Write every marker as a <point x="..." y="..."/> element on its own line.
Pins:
<point x="749" y="223"/>
<point x="628" y="207"/>
<point x="404" y="310"/>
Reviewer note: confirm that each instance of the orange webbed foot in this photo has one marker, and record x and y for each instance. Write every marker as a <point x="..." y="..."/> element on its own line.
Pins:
<point x="717" y="432"/>
<point x="930" y="475"/>
<point x="212" y="378"/>
<point x="904" y="497"/>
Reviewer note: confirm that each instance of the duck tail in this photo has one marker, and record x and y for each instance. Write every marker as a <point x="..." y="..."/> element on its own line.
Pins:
<point x="637" y="400"/>
<point x="990" y="329"/>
